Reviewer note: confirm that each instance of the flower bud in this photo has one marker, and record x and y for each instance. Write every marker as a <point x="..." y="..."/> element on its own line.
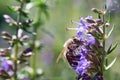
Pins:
<point x="98" y="11"/>
<point x="6" y="36"/>
<point x="27" y="52"/>
<point x="27" y="22"/>
<point x="98" y="21"/>
<point x="39" y="72"/>
<point x="107" y="24"/>
<point x="9" y="20"/>
<point x="23" y="38"/>
<point x="14" y="37"/>
<point x="4" y="52"/>
<point x="16" y="8"/>
<point x="95" y="10"/>
<point x="20" y="31"/>
<point x="90" y="20"/>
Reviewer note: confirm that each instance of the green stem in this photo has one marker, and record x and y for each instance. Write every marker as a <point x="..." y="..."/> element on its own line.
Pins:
<point x="16" y="48"/>
<point x="104" y="35"/>
<point x="104" y="42"/>
<point x="34" y="64"/>
<point x="34" y="47"/>
<point x="15" y="61"/>
<point x="35" y="54"/>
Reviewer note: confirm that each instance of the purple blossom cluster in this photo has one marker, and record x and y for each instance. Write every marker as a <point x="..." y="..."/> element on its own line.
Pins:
<point x="6" y="67"/>
<point x="87" y="61"/>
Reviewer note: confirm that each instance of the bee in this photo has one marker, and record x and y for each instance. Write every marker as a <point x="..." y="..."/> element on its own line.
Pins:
<point x="68" y="51"/>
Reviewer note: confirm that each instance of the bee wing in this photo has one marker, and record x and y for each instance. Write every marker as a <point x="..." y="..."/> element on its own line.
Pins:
<point x="60" y="55"/>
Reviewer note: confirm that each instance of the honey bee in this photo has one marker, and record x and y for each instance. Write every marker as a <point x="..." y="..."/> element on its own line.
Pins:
<point x="69" y="48"/>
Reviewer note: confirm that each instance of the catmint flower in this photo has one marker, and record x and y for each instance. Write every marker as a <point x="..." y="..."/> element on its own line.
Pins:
<point x="6" y="67"/>
<point x="9" y="20"/>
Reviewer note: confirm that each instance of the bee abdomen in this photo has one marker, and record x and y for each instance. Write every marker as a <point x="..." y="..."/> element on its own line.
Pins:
<point x="72" y="59"/>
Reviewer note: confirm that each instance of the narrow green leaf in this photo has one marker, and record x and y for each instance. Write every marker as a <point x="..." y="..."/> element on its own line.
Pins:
<point x="97" y="35"/>
<point x="46" y="14"/>
<point x="11" y="9"/>
<point x="109" y="17"/>
<point x="110" y="31"/>
<point x="111" y="64"/>
<point x="110" y="49"/>
<point x="99" y="15"/>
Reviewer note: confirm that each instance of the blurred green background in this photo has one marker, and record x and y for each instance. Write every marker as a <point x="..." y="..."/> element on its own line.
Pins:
<point x="61" y="12"/>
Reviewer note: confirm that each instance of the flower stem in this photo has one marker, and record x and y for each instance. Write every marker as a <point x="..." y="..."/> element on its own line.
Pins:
<point x="16" y="48"/>
<point x="34" y="64"/>
<point x="104" y="41"/>
<point x="104" y="35"/>
<point x="15" y="61"/>
<point x="34" y="44"/>
<point x="34" y="56"/>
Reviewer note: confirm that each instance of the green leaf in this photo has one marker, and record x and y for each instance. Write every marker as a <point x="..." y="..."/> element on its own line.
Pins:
<point x="110" y="31"/>
<point x="111" y="64"/>
<point x="96" y="35"/>
<point x="99" y="15"/>
<point x="11" y="9"/>
<point x="25" y="14"/>
<point x="46" y="14"/>
<point x="31" y="5"/>
<point x="109" y="17"/>
<point x="111" y="48"/>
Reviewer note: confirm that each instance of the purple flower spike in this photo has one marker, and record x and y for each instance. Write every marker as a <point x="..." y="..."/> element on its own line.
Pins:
<point x="83" y="64"/>
<point x="87" y="61"/>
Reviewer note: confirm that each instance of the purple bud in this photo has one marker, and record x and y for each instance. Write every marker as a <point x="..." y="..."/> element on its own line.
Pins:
<point x="8" y="19"/>
<point x="27" y="52"/>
